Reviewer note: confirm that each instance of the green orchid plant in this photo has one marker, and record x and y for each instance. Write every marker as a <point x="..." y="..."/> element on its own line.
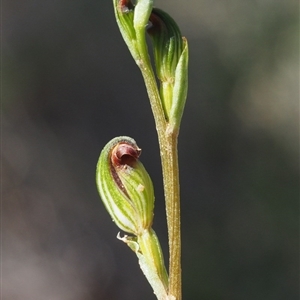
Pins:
<point x="123" y="183"/>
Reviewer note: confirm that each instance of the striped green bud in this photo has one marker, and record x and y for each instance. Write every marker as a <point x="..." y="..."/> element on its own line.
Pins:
<point x="127" y="193"/>
<point x="124" y="16"/>
<point x="167" y="43"/>
<point x="171" y="62"/>
<point x="124" y="185"/>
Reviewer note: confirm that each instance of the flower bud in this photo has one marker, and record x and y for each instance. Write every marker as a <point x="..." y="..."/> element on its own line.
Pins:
<point x="167" y="43"/>
<point x="171" y="61"/>
<point x="124" y="11"/>
<point x="124" y="185"/>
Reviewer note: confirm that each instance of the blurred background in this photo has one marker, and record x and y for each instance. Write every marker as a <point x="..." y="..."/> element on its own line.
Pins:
<point x="69" y="85"/>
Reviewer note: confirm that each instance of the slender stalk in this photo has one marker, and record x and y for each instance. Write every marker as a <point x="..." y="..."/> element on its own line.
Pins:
<point x="169" y="160"/>
<point x="172" y="196"/>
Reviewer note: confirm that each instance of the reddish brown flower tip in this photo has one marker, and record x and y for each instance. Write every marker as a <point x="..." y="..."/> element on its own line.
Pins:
<point x="125" y="153"/>
<point x="155" y="24"/>
<point x="125" y="6"/>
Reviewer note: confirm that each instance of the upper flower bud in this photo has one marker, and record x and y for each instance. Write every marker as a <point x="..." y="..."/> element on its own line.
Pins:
<point x="167" y="43"/>
<point x="124" y="185"/>
<point x="171" y="61"/>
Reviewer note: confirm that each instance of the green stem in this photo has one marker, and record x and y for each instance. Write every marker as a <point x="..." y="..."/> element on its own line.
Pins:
<point x="151" y="250"/>
<point x="172" y="196"/>
<point x="167" y="138"/>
